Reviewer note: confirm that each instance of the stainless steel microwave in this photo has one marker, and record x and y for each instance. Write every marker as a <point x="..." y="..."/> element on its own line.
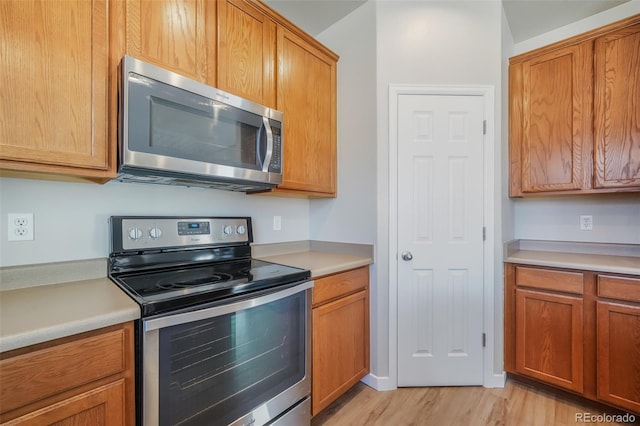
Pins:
<point x="177" y="131"/>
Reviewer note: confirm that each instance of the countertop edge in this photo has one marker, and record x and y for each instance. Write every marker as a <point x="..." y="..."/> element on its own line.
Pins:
<point x="63" y="310"/>
<point x="41" y="335"/>
<point x="596" y="257"/>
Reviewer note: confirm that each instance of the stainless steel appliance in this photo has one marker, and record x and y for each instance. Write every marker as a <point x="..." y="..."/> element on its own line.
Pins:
<point x="223" y="338"/>
<point x="178" y="131"/>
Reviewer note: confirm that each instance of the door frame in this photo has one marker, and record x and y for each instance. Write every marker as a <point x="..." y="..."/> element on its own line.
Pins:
<point x="487" y="92"/>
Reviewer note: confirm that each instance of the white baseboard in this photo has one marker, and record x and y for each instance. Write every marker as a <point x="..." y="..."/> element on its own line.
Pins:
<point x="386" y="384"/>
<point x="496" y="381"/>
<point x="379" y="383"/>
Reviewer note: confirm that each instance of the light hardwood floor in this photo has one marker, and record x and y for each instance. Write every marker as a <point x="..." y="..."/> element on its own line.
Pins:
<point x="517" y="404"/>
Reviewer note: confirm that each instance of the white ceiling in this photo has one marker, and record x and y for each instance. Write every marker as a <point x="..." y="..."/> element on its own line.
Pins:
<point x="527" y="18"/>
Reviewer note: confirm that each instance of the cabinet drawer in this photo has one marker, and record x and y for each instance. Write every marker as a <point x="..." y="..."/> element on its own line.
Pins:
<point x="545" y="279"/>
<point x="621" y="288"/>
<point x="46" y="372"/>
<point x="334" y="286"/>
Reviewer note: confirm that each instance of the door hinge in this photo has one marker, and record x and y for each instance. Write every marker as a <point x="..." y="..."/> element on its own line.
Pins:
<point x="484" y="127"/>
<point x="484" y="233"/>
<point x="484" y="340"/>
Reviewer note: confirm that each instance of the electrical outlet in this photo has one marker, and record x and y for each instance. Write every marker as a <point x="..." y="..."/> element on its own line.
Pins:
<point x="586" y="223"/>
<point x="277" y="223"/>
<point x="20" y="227"/>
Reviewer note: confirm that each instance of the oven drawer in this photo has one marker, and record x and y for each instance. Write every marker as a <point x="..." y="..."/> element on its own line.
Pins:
<point x="299" y="415"/>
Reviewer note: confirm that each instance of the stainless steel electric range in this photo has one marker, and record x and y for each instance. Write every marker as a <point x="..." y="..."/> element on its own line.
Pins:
<point x="223" y="338"/>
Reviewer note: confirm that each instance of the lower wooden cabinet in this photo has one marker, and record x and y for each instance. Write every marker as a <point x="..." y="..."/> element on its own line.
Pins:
<point x="618" y="341"/>
<point x="83" y="380"/>
<point x="575" y="330"/>
<point x="340" y="335"/>
<point x="549" y="338"/>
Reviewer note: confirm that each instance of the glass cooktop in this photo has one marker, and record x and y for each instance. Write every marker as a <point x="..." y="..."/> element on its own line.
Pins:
<point x="170" y="289"/>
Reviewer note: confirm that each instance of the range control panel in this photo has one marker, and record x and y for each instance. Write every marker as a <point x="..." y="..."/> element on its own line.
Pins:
<point x="146" y="233"/>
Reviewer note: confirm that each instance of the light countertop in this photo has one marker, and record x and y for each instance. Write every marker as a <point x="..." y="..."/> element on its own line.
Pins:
<point x="611" y="258"/>
<point x="320" y="263"/>
<point x="38" y="314"/>
<point x="321" y="258"/>
<point x="43" y="302"/>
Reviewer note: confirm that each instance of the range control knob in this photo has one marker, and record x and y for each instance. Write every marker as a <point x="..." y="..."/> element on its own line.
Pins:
<point x="155" y="232"/>
<point x="135" y="233"/>
<point x="228" y="230"/>
<point x="241" y="229"/>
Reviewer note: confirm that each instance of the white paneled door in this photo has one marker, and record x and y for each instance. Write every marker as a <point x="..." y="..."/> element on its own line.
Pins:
<point x="440" y="240"/>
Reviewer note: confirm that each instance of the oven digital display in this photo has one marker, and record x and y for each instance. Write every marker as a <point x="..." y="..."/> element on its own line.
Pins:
<point x="194" y="228"/>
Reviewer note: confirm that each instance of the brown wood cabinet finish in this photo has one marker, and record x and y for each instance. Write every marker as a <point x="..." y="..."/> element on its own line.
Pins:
<point x="61" y="115"/>
<point x="306" y="91"/>
<point x="549" y="338"/>
<point x="340" y="356"/>
<point x="178" y="35"/>
<point x="561" y="337"/>
<point x="561" y="127"/>
<point x="617" y="109"/>
<point x="619" y="354"/>
<point x="556" y="109"/>
<point x="246" y="52"/>
<point x="53" y="73"/>
<point x="101" y="406"/>
<point x="545" y="279"/>
<point x="620" y="288"/>
<point x="84" y="378"/>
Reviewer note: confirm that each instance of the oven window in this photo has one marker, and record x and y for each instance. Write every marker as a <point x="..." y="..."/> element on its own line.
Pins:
<point x="216" y="370"/>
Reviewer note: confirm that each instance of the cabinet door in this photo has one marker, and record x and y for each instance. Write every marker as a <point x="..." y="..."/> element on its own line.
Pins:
<point x="178" y="35"/>
<point x="618" y="361"/>
<point x="101" y="406"/>
<point x="617" y="109"/>
<point x="549" y="338"/>
<point x="53" y="74"/>
<point x="556" y="116"/>
<point x="246" y="52"/>
<point x="340" y="347"/>
<point x="307" y="97"/>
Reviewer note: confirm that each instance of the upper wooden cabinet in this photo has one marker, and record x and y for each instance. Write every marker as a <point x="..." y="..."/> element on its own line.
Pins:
<point x="53" y="73"/>
<point x="554" y="122"/>
<point x="178" y="35"/>
<point x="559" y="125"/>
<point x="307" y="97"/>
<point x="60" y="77"/>
<point x="617" y="109"/>
<point x="246" y="52"/>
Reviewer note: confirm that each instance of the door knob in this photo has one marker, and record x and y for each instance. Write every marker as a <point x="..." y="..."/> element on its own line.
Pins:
<point x="406" y="255"/>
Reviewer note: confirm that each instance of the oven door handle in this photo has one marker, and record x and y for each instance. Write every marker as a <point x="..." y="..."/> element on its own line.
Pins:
<point x="186" y="317"/>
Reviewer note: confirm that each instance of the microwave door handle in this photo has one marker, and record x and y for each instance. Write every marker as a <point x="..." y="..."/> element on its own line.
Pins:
<point x="267" y="157"/>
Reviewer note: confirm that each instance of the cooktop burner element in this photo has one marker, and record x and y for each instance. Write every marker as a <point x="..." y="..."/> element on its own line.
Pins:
<point x="167" y="284"/>
<point x="167" y="264"/>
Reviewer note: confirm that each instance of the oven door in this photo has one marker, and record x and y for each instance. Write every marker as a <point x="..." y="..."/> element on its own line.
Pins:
<point x="245" y="362"/>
